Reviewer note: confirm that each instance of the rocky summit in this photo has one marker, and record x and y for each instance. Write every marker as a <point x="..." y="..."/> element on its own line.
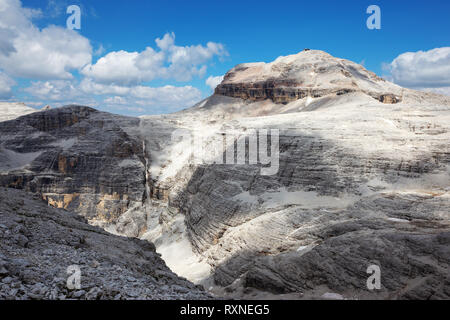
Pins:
<point x="361" y="184"/>
<point x="310" y="73"/>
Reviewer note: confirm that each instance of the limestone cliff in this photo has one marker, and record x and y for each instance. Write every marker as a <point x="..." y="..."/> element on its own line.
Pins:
<point x="309" y="73"/>
<point x="77" y="158"/>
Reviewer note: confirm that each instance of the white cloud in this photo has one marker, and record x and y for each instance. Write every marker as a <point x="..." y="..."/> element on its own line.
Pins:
<point x="27" y="51"/>
<point x="6" y="41"/>
<point x="52" y="55"/>
<point x="55" y="90"/>
<point x="148" y="100"/>
<point x="100" y="50"/>
<point x="145" y="97"/>
<point x="89" y="86"/>
<point x="422" y="69"/>
<point x="213" y="82"/>
<point x="169" y="62"/>
<point x="149" y="97"/>
<point x="442" y="90"/>
<point x="56" y="8"/>
<point x="116" y="100"/>
<point x="6" y="84"/>
<point x="126" y="68"/>
<point x="167" y="96"/>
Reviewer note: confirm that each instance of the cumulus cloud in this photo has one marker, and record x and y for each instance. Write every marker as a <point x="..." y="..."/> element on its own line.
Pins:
<point x="6" y="84"/>
<point x="100" y="50"/>
<point x="213" y="82"/>
<point x="170" y="96"/>
<point x="126" y="68"/>
<point x="55" y="90"/>
<point x="166" y="95"/>
<point x="116" y="100"/>
<point x="89" y="86"/>
<point x="132" y="98"/>
<point x="52" y="55"/>
<point x="168" y="61"/>
<point x="6" y="41"/>
<point x="442" y="90"/>
<point x="26" y="51"/>
<point x="422" y="69"/>
<point x="145" y="100"/>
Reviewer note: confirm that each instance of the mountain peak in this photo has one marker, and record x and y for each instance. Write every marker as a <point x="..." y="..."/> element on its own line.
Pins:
<point x="312" y="73"/>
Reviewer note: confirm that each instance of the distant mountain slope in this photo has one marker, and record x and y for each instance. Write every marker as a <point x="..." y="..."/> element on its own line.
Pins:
<point x="306" y="81"/>
<point x="13" y="110"/>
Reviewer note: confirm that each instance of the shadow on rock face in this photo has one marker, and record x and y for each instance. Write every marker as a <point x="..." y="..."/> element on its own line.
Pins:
<point x="414" y="264"/>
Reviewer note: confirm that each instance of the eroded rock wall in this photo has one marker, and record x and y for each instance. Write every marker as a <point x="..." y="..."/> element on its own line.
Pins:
<point x="83" y="160"/>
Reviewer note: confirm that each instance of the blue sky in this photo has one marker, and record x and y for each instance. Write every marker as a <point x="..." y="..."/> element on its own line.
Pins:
<point x="244" y="31"/>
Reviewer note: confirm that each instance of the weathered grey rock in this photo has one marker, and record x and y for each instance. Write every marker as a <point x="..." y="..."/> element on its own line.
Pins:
<point x="29" y="271"/>
<point x="78" y="294"/>
<point x="94" y="294"/>
<point x="7" y="280"/>
<point x="21" y="240"/>
<point x="359" y="182"/>
<point x="77" y="158"/>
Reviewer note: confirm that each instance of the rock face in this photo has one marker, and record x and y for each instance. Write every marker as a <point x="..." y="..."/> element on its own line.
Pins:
<point x="40" y="246"/>
<point x="360" y="182"/>
<point x="77" y="158"/>
<point x="339" y="203"/>
<point x="363" y="179"/>
<point x="310" y="73"/>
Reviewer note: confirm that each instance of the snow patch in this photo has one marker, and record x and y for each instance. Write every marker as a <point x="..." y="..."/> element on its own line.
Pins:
<point x="172" y="243"/>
